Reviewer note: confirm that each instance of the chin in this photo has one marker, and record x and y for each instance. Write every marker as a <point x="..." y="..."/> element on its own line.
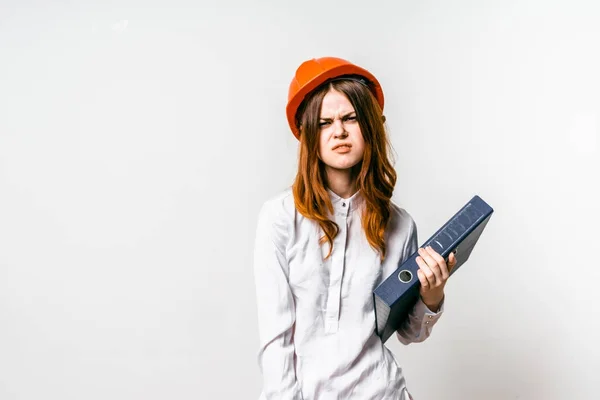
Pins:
<point x="341" y="165"/>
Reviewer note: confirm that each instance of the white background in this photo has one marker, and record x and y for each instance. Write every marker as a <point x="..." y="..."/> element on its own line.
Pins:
<point x="139" y="139"/>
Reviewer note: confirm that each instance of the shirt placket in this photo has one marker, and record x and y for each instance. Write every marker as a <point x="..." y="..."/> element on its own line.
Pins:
<point x="338" y="257"/>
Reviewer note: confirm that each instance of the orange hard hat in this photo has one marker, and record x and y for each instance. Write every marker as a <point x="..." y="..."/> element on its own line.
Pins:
<point x="312" y="73"/>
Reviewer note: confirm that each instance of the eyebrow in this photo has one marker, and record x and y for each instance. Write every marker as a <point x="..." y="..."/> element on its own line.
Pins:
<point x="343" y="116"/>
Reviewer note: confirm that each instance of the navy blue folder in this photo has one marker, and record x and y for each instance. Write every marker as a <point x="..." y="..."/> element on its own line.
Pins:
<point x="396" y="296"/>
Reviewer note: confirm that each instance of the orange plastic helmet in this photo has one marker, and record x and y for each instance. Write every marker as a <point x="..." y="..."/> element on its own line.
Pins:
<point x="312" y="73"/>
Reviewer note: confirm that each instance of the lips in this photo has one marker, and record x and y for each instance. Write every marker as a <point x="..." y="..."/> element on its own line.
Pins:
<point x="342" y="146"/>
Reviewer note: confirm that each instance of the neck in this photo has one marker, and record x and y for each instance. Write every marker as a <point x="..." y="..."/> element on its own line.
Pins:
<point x="341" y="182"/>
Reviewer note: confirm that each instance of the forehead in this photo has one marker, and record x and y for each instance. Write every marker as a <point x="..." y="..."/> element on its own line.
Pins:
<point x="335" y="103"/>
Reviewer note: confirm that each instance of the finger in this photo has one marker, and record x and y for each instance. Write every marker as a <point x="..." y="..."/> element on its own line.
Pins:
<point x="440" y="262"/>
<point x="423" y="279"/>
<point x="429" y="275"/>
<point x="451" y="262"/>
<point x="432" y="264"/>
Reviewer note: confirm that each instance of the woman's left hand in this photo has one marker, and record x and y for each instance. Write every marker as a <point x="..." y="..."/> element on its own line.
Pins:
<point x="433" y="273"/>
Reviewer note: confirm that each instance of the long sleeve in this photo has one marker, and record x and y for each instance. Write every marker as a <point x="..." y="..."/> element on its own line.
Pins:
<point x="276" y="310"/>
<point x="420" y="321"/>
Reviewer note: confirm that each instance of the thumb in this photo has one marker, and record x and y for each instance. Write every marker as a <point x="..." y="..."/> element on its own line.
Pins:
<point x="451" y="261"/>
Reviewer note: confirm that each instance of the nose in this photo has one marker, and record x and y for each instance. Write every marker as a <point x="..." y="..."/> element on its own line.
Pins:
<point x="338" y="129"/>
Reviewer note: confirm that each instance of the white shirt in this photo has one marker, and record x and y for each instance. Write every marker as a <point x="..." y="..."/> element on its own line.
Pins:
<point x="316" y="317"/>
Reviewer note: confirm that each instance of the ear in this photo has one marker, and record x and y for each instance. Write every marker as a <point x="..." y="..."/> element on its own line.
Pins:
<point x="383" y="119"/>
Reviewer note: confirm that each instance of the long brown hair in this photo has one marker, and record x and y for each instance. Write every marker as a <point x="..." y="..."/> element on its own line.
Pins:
<point x="375" y="175"/>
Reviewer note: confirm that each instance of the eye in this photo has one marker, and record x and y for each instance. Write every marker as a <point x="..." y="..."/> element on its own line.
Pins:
<point x="353" y="118"/>
<point x="324" y="123"/>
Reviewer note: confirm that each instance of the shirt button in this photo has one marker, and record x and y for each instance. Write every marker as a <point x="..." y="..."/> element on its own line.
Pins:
<point x="427" y="323"/>
<point x="343" y="204"/>
<point x="430" y="317"/>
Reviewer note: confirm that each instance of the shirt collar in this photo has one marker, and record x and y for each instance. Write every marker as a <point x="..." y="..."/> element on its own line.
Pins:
<point x="344" y="206"/>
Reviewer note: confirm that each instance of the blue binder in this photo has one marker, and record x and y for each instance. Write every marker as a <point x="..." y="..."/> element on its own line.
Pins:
<point x="396" y="296"/>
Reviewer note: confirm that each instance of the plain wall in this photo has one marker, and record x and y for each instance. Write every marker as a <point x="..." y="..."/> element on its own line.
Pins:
<point x="138" y="141"/>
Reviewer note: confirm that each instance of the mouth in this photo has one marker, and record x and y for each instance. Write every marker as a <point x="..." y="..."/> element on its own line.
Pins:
<point x="342" y="146"/>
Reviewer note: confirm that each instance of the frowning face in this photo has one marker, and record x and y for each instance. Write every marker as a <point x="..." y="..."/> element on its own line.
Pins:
<point x="341" y="144"/>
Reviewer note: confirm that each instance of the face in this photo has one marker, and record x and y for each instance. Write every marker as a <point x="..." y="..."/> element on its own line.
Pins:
<point x="341" y="144"/>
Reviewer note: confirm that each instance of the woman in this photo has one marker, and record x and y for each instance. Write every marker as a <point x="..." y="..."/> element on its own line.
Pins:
<point x="323" y="246"/>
